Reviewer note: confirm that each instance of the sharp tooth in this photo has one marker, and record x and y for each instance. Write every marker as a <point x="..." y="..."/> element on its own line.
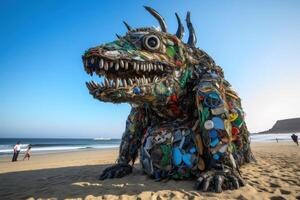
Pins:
<point x="88" y="85"/>
<point x="85" y="62"/>
<point x="149" y="80"/>
<point x="155" y="79"/>
<point x="126" y="65"/>
<point x="144" y="67"/>
<point x="111" y="64"/>
<point x="134" y="66"/>
<point x="122" y="63"/>
<point x="136" y="80"/>
<point x="137" y="66"/>
<point x="124" y="83"/>
<point x="130" y="82"/>
<point x="92" y="60"/>
<point x="94" y="84"/>
<point x="151" y="66"/>
<point x="101" y="63"/>
<point x="117" y="83"/>
<point x="146" y="81"/>
<point x="106" y="82"/>
<point x="117" y="66"/>
<point x="154" y="67"/>
<point x="106" y="66"/>
<point x="162" y="68"/>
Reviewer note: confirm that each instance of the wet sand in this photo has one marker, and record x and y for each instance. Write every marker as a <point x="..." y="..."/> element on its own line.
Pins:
<point x="73" y="175"/>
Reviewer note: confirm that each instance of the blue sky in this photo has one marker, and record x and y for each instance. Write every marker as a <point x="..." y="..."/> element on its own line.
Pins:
<point x="42" y="81"/>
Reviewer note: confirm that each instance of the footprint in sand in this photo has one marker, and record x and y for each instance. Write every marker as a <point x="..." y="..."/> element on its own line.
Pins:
<point x="273" y="185"/>
<point x="285" y="191"/>
<point x="277" y="198"/>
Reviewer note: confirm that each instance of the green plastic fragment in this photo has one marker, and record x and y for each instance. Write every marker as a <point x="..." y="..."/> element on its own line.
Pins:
<point x="171" y="51"/>
<point x="203" y="116"/>
<point x="166" y="149"/>
<point x="183" y="79"/>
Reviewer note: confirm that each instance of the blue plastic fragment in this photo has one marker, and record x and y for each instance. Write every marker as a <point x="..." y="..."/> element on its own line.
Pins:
<point x="193" y="150"/>
<point x="216" y="156"/>
<point x="214" y="142"/>
<point x="218" y="123"/>
<point x="136" y="90"/>
<point x="186" y="158"/>
<point x="213" y="134"/>
<point x="177" y="156"/>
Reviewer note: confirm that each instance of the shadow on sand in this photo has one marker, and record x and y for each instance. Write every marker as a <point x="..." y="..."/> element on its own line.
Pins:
<point x="81" y="182"/>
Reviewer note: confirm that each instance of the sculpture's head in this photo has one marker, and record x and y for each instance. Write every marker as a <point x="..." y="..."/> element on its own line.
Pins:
<point x="144" y="65"/>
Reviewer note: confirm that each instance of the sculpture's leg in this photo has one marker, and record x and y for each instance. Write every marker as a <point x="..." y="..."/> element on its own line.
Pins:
<point x="224" y="134"/>
<point x="130" y="144"/>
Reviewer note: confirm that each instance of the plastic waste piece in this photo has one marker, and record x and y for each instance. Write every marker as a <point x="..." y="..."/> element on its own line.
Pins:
<point x="186" y="158"/>
<point x="193" y="150"/>
<point x="136" y="90"/>
<point x="148" y="144"/>
<point x="235" y="131"/>
<point x="177" y="136"/>
<point x="212" y="100"/>
<point x="201" y="164"/>
<point x="233" y="116"/>
<point x="171" y="51"/>
<point x="177" y="157"/>
<point x="213" y="134"/>
<point x="216" y="156"/>
<point x="214" y="142"/>
<point x="209" y="124"/>
<point x="223" y="148"/>
<point x="218" y="123"/>
<point x="219" y="110"/>
<point x="166" y="150"/>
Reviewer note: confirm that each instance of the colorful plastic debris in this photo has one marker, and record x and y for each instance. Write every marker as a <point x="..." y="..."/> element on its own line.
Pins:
<point x="186" y="120"/>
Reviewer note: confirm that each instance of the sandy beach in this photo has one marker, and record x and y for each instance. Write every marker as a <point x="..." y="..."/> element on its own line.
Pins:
<point x="73" y="175"/>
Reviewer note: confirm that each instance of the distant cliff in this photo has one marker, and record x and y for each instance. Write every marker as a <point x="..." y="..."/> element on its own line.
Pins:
<point x="285" y="126"/>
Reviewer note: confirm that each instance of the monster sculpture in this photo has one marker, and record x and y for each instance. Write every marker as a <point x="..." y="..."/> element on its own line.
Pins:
<point x="186" y="120"/>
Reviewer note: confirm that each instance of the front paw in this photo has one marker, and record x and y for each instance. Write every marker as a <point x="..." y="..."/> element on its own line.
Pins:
<point x="116" y="171"/>
<point x="219" y="180"/>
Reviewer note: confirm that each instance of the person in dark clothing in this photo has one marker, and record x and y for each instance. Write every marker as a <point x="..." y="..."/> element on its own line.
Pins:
<point x="295" y="139"/>
<point x="17" y="149"/>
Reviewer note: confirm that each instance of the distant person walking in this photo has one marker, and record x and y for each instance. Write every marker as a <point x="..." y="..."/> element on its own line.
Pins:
<point x="17" y="149"/>
<point x="28" y="152"/>
<point x="295" y="139"/>
<point x="277" y="140"/>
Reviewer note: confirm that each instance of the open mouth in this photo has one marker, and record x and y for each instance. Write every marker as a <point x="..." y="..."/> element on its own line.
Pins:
<point x="122" y="74"/>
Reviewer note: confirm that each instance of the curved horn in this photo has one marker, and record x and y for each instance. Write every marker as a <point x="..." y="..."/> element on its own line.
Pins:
<point x="180" y="30"/>
<point x="192" y="37"/>
<point x="127" y="26"/>
<point x="160" y="19"/>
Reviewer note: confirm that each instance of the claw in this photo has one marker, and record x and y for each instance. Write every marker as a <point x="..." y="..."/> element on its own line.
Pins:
<point x="199" y="183"/>
<point x="206" y="184"/>
<point x="116" y="171"/>
<point x="234" y="181"/>
<point x="218" y="183"/>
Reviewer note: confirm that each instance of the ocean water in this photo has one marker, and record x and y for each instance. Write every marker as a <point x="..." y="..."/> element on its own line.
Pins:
<point x="52" y="144"/>
<point x="272" y="137"/>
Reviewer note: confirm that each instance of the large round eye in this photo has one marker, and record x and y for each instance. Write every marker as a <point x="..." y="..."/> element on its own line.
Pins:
<point x="151" y="42"/>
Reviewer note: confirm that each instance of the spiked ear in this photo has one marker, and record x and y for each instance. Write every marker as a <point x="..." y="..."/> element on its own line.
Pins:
<point x="160" y="19"/>
<point x="180" y="30"/>
<point x="127" y="26"/>
<point x="192" y="36"/>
